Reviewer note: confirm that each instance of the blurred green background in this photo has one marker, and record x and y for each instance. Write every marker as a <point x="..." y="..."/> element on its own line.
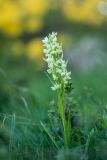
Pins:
<point x="25" y="92"/>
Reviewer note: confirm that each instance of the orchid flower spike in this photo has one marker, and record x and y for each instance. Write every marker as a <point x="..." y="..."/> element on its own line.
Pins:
<point x="57" y="66"/>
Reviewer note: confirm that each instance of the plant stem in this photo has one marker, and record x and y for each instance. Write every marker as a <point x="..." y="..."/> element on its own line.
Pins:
<point x="66" y="124"/>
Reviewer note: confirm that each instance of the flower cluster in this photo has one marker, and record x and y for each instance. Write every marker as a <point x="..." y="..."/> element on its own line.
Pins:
<point x="56" y="64"/>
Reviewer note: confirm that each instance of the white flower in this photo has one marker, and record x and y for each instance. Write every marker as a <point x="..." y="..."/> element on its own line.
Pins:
<point x="45" y="40"/>
<point x="54" y="77"/>
<point x="56" y="64"/>
<point x="55" y="87"/>
<point x="62" y="74"/>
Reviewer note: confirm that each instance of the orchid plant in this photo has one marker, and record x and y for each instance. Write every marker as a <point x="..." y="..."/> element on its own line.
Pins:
<point x="60" y="77"/>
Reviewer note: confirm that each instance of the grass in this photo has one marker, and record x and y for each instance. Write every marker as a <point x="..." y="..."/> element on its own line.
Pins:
<point x="25" y="101"/>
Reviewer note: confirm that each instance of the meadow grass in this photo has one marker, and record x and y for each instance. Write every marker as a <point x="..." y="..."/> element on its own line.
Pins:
<point x="23" y="108"/>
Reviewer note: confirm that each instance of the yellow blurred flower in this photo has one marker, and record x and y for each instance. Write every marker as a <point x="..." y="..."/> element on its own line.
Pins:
<point x="34" y="49"/>
<point x="34" y="11"/>
<point x="10" y="18"/>
<point x="35" y="7"/>
<point x="17" y="16"/>
<point x="12" y="29"/>
<point x="33" y="24"/>
<point x="85" y="11"/>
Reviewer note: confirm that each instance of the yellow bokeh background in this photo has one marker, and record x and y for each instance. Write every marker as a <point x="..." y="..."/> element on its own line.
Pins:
<point x="19" y="18"/>
<point x="86" y="11"/>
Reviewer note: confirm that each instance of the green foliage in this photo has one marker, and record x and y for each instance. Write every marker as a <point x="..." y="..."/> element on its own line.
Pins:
<point x="26" y="99"/>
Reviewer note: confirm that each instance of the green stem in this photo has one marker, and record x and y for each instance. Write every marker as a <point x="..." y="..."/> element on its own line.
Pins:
<point x="66" y="124"/>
